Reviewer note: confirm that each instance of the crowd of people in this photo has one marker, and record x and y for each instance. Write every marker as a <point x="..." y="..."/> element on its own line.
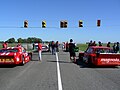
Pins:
<point x="70" y="47"/>
<point x="115" y="47"/>
<point x="54" y="47"/>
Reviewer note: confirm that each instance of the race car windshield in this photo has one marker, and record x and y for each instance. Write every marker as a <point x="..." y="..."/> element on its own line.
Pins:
<point x="8" y="50"/>
<point x="103" y="51"/>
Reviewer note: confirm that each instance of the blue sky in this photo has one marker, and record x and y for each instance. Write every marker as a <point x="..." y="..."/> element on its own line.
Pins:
<point x="14" y="12"/>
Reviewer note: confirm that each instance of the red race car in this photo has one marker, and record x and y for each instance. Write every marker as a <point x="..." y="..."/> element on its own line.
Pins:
<point x="14" y="55"/>
<point x="100" y="56"/>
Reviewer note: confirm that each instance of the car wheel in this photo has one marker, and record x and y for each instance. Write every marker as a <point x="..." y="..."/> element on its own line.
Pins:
<point x="30" y="55"/>
<point x="90" y="62"/>
<point x="80" y="57"/>
<point x="23" y="60"/>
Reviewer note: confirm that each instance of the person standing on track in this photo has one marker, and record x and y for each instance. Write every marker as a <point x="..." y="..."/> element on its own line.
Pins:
<point x="114" y="48"/>
<point x="57" y="46"/>
<point x="100" y="44"/>
<point x="39" y="51"/>
<point x="108" y="44"/>
<point x="72" y="50"/>
<point x="49" y="45"/>
<point x="53" y="47"/>
<point x="67" y="47"/>
<point x="90" y="43"/>
<point x="117" y="47"/>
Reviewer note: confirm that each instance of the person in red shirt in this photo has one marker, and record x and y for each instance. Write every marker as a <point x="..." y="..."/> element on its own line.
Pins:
<point x="67" y="47"/>
<point x="40" y="51"/>
<point x="5" y="45"/>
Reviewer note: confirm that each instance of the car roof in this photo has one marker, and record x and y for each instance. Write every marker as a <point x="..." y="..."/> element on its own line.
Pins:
<point x="100" y="47"/>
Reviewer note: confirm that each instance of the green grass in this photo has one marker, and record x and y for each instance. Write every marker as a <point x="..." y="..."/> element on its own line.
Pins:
<point x="83" y="47"/>
<point x="0" y="46"/>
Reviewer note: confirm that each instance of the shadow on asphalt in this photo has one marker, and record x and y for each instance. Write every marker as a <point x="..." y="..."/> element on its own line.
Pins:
<point x="43" y="53"/>
<point x="46" y="53"/>
<point x="59" y="61"/>
<point x="34" y="60"/>
<point x="7" y="66"/>
<point x="81" y="64"/>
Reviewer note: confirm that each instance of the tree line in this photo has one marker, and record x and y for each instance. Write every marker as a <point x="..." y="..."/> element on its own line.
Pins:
<point x="22" y="40"/>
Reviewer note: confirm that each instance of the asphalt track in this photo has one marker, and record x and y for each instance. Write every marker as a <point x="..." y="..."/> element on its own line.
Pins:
<point x="57" y="72"/>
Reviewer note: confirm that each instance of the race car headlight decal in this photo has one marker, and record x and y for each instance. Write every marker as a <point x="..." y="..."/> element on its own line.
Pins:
<point x="18" y="59"/>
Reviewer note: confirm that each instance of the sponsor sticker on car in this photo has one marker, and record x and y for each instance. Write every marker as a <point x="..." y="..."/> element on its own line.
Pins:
<point x="107" y="60"/>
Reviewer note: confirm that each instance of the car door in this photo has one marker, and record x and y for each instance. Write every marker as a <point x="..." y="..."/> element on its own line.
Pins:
<point x="87" y="54"/>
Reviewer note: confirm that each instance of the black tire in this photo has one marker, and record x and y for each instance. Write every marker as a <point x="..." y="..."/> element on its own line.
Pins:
<point x="90" y="62"/>
<point x="30" y="55"/>
<point x="23" y="61"/>
<point x="80" y="57"/>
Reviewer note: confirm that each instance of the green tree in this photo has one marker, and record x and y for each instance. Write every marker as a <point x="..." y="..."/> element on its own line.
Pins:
<point x="33" y="40"/>
<point x="20" y="40"/>
<point x="11" y="40"/>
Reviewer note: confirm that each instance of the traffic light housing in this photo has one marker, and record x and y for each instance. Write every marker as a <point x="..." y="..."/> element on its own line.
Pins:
<point x="43" y="24"/>
<point x="98" y="23"/>
<point x="25" y="24"/>
<point x="63" y="24"/>
<point x="80" y="23"/>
